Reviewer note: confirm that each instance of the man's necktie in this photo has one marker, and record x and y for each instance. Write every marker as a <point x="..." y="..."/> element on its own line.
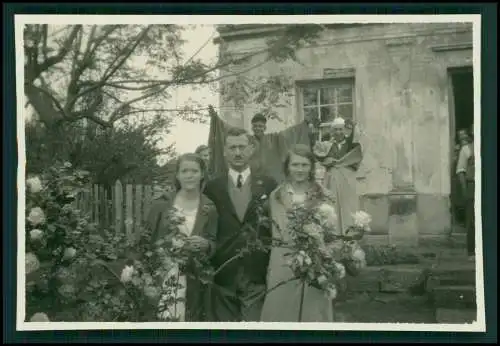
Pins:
<point x="239" y="181"/>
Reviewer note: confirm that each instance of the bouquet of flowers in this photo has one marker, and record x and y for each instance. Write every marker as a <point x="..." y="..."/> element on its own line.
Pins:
<point x="162" y="274"/>
<point x="319" y="255"/>
<point x="353" y="256"/>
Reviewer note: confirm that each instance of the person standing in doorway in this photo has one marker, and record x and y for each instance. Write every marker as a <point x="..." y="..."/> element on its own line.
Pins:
<point x="465" y="172"/>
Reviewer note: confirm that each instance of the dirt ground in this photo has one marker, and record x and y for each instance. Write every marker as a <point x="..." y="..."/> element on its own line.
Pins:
<point x="385" y="308"/>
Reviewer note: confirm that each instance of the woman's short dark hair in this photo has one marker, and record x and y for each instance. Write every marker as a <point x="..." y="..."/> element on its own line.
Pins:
<point x="259" y="118"/>
<point x="193" y="158"/>
<point x="302" y="151"/>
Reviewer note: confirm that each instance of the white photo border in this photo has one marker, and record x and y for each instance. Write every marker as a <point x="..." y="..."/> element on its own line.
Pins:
<point x="20" y="20"/>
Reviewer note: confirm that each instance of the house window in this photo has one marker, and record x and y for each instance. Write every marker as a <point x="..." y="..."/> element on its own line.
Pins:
<point x="326" y="100"/>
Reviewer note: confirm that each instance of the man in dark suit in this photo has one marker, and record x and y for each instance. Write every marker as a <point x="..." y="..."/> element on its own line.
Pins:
<point x="238" y="194"/>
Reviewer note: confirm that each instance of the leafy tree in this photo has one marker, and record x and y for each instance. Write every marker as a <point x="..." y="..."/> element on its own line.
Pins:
<point x="84" y="81"/>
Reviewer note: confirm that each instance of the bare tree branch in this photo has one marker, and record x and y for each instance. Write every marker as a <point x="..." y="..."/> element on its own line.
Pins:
<point x="124" y="54"/>
<point x="116" y="113"/>
<point x="63" y="51"/>
<point x="121" y="57"/>
<point x="168" y="82"/>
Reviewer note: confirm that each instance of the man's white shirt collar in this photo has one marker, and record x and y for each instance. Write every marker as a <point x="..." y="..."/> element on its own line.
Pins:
<point x="234" y="175"/>
<point x="338" y="144"/>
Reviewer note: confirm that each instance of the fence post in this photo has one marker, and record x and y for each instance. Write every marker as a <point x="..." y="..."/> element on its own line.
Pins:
<point x="96" y="204"/>
<point x="129" y="213"/>
<point x="138" y="210"/>
<point x="148" y="196"/>
<point x="118" y="201"/>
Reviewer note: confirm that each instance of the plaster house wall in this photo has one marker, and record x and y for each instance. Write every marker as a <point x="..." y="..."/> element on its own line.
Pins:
<point x="401" y="105"/>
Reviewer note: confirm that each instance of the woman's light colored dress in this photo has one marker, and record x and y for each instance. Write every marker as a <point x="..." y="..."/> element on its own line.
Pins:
<point x="178" y="309"/>
<point x="283" y="303"/>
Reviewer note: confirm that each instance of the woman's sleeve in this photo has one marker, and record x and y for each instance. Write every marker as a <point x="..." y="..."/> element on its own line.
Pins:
<point x="210" y="231"/>
<point x="152" y="221"/>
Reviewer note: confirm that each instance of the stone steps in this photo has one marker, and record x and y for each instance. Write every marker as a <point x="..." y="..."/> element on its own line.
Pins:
<point x="387" y="279"/>
<point x="454" y="297"/>
<point x="451" y="288"/>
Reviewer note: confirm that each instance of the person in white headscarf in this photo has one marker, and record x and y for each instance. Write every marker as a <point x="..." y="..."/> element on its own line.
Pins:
<point x="341" y="157"/>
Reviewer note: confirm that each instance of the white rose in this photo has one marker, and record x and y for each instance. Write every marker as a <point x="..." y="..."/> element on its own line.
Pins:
<point x="69" y="253"/>
<point x="341" y="269"/>
<point x="67" y="291"/>
<point x="321" y="279"/>
<point x="314" y="231"/>
<point x="127" y="273"/>
<point x="359" y="254"/>
<point x="31" y="262"/>
<point x="36" y="234"/>
<point x="362" y="219"/>
<point x="327" y="215"/>
<point x="151" y="292"/>
<point x="331" y="293"/>
<point x="39" y="317"/>
<point x="34" y="184"/>
<point x="177" y="243"/>
<point x="300" y="260"/>
<point x="36" y="216"/>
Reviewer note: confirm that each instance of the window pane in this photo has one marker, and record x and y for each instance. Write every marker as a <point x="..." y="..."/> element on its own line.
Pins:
<point x="310" y="96"/>
<point x="312" y="115"/>
<point x="327" y="96"/>
<point x="345" y="94"/>
<point x="327" y="114"/>
<point x="346" y="111"/>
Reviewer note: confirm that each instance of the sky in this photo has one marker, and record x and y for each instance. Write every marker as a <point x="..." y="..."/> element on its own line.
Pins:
<point x="187" y="135"/>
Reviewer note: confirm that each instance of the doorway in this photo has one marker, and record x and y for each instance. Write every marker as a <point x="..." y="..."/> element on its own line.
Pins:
<point x="461" y="87"/>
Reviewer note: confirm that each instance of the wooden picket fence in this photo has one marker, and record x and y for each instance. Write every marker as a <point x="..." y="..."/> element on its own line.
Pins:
<point x="123" y="207"/>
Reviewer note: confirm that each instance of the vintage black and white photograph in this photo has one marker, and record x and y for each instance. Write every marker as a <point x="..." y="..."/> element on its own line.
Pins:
<point x="271" y="172"/>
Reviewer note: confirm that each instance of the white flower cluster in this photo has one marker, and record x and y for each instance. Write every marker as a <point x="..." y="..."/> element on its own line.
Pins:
<point x="327" y="215"/>
<point x="34" y="184"/>
<point x="300" y="259"/>
<point x="126" y="275"/>
<point x="36" y="216"/>
<point x="39" y="317"/>
<point x="357" y="255"/>
<point x="31" y="262"/>
<point x="362" y="220"/>
<point x="315" y="231"/>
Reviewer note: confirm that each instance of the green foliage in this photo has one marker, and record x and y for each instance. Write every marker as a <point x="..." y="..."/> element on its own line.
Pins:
<point x="127" y="152"/>
<point x="388" y="255"/>
<point x="56" y="233"/>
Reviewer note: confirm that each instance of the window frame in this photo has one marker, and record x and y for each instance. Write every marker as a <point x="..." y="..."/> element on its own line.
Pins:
<point x="324" y="83"/>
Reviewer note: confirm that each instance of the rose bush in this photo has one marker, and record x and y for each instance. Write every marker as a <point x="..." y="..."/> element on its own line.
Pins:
<point x="54" y="229"/>
<point x="77" y="272"/>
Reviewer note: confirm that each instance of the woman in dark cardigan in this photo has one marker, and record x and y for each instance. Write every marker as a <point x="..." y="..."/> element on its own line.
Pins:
<point x="200" y="227"/>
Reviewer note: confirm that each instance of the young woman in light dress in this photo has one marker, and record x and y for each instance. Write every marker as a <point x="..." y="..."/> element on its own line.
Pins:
<point x="283" y="303"/>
